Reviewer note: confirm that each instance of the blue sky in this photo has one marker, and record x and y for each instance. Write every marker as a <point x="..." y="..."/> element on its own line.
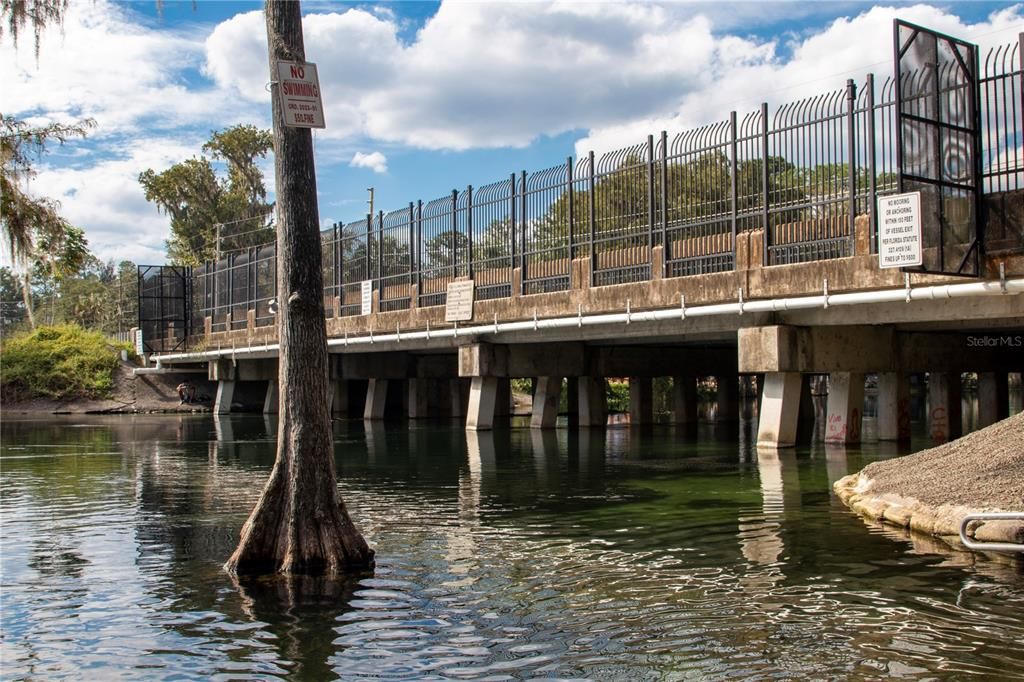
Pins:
<point x="424" y="97"/>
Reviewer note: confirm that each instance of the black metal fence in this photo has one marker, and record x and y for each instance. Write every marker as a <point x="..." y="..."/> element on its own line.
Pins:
<point x="802" y="173"/>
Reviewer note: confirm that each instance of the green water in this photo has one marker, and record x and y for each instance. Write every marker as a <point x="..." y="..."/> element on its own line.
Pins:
<point x="612" y="555"/>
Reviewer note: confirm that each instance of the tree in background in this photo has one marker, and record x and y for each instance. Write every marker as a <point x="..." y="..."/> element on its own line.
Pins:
<point x="210" y="214"/>
<point x="35" y="14"/>
<point x="38" y="237"/>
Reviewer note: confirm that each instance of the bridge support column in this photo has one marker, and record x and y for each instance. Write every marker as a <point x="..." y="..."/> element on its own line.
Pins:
<point x="339" y="397"/>
<point x="270" y="401"/>
<point x="845" y="407"/>
<point x="944" y="413"/>
<point x="225" y="393"/>
<point x="593" y="401"/>
<point x="418" y="398"/>
<point x="482" y="393"/>
<point x="684" y="399"/>
<point x="894" y="406"/>
<point x="780" y="409"/>
<point x="807" y="421"/>
<point x="456" y="402"/>
<point x="993" y="397"/>
<point x="641" y="401"/>
<point x="546" y="396"/>
<point x="728" y="398"/>
<point x="376" y="399"/>
<point x="503" y="401"/>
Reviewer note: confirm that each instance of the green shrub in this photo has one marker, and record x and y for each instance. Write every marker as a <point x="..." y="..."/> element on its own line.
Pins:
<point x="61" y="362"/>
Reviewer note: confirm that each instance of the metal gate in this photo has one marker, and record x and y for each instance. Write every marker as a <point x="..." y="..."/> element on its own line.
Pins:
<point x="938" y="144"/>
<point x="164" y="307"/>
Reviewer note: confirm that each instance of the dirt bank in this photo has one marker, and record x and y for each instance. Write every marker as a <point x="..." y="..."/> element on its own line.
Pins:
<point x="932" y="490"/>
<point x="131" y="394"/>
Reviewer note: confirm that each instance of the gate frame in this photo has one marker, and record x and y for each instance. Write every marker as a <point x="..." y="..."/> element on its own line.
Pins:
<point x="182" y="272"/>
<point x="976" y="247"/>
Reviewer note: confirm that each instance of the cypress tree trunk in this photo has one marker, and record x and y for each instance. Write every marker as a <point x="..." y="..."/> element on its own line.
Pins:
<point x="299" y="525"/>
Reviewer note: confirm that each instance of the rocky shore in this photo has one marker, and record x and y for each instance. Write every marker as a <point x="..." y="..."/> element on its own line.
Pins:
<point x="931" y="491"/>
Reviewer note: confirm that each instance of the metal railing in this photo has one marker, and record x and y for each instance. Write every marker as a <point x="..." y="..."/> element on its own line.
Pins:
<point x="990" y="546"/>
<point x="802" y="174"/>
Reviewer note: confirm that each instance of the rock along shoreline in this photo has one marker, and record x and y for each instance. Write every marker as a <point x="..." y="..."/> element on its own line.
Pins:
<point x="933" y="490"/>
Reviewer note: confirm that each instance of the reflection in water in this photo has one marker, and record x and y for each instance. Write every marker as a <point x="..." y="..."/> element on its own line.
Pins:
<point x="618" y="554"/>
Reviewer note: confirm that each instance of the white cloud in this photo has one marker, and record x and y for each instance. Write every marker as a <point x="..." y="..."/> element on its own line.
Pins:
<point x="375" y="161"/>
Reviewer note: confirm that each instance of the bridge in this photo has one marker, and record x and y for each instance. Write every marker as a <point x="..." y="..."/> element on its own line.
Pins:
<point x="750" y="250"/>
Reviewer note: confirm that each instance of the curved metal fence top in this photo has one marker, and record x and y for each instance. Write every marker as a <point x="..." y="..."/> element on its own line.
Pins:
<point x="1001" y="60"/>
<point x="614" y="160"/>
<point x="398" y="217"/>
<point x="809" y="110"/>
<point x="751" y="124"/>
<point x="494" y="191"/>
<point x="702" y="139"/>
<point x="547" y="178"/>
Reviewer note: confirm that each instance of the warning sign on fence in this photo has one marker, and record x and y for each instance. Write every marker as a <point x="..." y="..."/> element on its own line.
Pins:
<point x="899" y="230"/>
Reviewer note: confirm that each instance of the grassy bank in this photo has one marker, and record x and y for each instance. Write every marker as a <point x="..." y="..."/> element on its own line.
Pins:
<point x="64" y="362"/>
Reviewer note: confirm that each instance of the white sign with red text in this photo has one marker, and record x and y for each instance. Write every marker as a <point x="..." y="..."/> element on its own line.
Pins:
<point x="299" y="89"/>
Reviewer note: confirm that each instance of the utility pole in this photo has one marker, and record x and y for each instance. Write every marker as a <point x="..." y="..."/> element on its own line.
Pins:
<point x="370" y="200"/>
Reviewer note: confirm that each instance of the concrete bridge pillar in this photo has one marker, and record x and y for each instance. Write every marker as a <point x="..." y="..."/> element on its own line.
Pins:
<point x="944" y="413"/>
<point x="225" y="394"/>
<point x="728" y="398"/>
<point x="376" y="399"/>
<point x="271" y="400"/>
<point x="593" y="401"/>
<point x="483" y="391"/>
<point x="546" y="397"/>
<point x="780" y="408"/>
<point x="418" y="398"/>
<point x="503" y="401"/>
<point x="806" y="423"/>
<point x="993" y="397"/>
<point x="894" y="406"/>
<point x="641" y="401"/>
<point x="845" y="407"/>
<point x="684" y="399"/>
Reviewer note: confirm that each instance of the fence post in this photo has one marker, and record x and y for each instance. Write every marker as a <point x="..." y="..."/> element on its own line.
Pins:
<point x="511" y="224"/>
<point x="380" y="253"/>
<point x="765" y="217"/>
<point x="571" y="214"/>
<point x="369" y="243"/>
<point x="339" y="254"/>
<point x="872" y="172"/>
<point x="419" y="251"/>
<point x="469" y="231"/>
<point x="231" y="290"/>
<point x="522" y="220"/>
<point x="851" y="142"/>
<point x="252" y="277"/>
<point x="664" y="202"/>
<point x="592" y="215"/>
<point x="650" y="200"/>
<point x="733" y="184"/>
<point x="412" y="241"/>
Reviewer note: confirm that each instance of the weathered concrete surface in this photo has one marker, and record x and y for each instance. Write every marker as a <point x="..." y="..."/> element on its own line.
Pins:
<point x="931" y="491"/>
<point x="780" y="406"/>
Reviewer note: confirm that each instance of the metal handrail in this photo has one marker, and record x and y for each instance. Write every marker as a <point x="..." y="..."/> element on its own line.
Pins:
<point x="991" y="546"/>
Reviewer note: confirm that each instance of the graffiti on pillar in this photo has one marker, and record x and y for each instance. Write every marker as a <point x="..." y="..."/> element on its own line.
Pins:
<point x="841" y="430"/>
<point x="939" y="425"/>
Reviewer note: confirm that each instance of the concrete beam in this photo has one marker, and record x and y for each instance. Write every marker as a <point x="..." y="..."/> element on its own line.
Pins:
<point x="221" y="370"/>
<point x="780" y="407"/>
<point x="659" y="361"/>
<point x="377" y="365"/>
<point x="546" y="398"/>
<point x="845" y="408"/>
<point x="257" y="370"/>
<point x="894" y="407"/>
<point x="820" y="349"/>
<point x="959" y="352"/>
<point x="522" y="360"/>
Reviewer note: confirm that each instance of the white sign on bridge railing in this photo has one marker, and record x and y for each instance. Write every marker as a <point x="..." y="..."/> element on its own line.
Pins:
<point x="899" y="230"/>
<point x="459" y="301"/>
<point x="366" y="297"/>
<point x="299" y="89"/>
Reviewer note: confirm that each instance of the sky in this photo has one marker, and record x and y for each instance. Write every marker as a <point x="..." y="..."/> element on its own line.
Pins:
<point x="424" y="97"/>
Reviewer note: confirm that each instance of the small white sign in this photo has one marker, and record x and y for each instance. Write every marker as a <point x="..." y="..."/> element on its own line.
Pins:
<point x="459" y="302"/>
<point x="140" y="349"/>
<point x="899" y="231"/>
<point x="299" y="90"/>
<point x="366" y="301"/>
